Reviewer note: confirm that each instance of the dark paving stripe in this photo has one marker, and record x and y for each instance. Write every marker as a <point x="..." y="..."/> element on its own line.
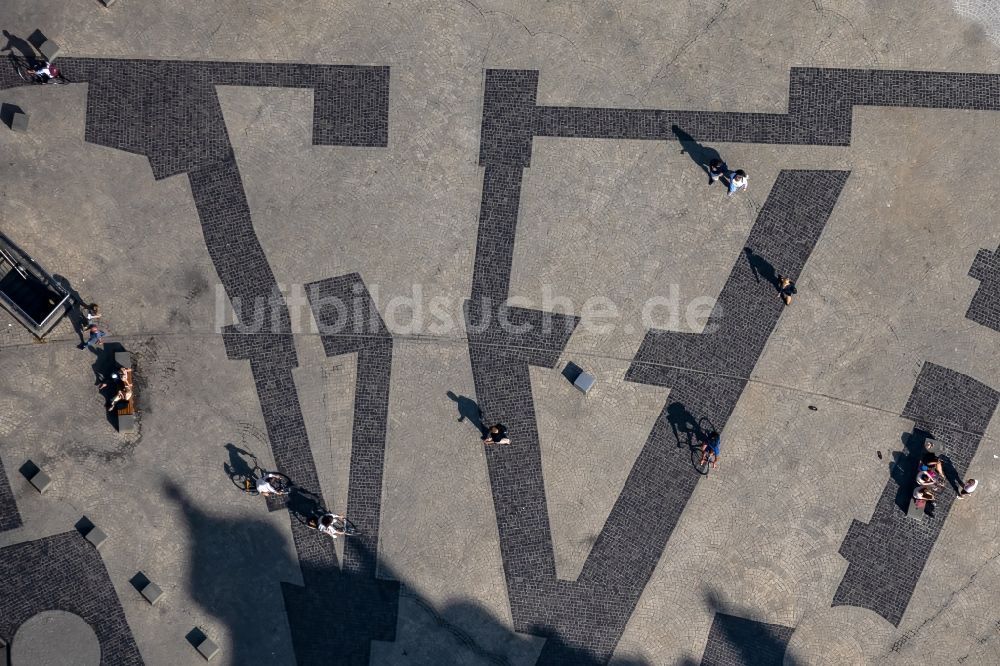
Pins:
<point x="888" y="554"/>
<point x="737" y="641"/>
<point x="820" y="105"/>
<point x="64" y="572"/>
<point x="584" y="619"/>
<point x="373" y="344"/>
<point x="985" y="306"/>
<point x="169" y="112"/>
<point x="10" y="517"/>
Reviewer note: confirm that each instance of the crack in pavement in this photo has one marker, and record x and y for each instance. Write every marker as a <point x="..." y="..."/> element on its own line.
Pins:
<point x="912" y="633"/>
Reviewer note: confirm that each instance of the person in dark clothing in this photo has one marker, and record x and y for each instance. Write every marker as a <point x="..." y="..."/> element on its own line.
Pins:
<point x="496" y="435"/>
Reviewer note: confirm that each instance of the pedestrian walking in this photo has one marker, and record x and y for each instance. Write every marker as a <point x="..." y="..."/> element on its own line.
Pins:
<point x="737" y="181"/>
<point x="967" y="488"/>
<point x="96" y="337"/>
<point x="716" y="169"/>
<point x="786" y="288"/>
<point x="91" y="313"/>
<point x="497" y="435"/>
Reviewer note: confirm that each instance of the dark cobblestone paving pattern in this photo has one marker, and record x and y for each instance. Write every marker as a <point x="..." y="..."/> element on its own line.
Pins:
<point x="10" y="517"/>
<point x="706" y="373"/>
<point x="169" y="112"/>
<point x="735" y="641"/>
<point x="985" y="306"/>
<point x="64" y="572"/>
<point x="584" y="618"/>
<point x="177" y="123"/>
<point x="888" y="553"/>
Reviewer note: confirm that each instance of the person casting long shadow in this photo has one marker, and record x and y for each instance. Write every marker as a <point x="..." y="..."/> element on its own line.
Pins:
<point x="469" y="410"/>
<point x="761" y="267"/>
<point x="16" y="43"/>
<point x="701" y="155"/>
<point x="683" y="423"/>
<point x="238" y="466"/>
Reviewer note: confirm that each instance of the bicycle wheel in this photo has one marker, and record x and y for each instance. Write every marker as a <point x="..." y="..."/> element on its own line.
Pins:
<point x="247" y="484"/>
<point x="700" y="464"/>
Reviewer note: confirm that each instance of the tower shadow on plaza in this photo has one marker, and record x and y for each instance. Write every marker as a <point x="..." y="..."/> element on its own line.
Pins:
<point x="239" y="565"/>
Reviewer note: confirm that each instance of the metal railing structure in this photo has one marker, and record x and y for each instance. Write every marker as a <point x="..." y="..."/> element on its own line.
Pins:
<point x="30" y="271"/>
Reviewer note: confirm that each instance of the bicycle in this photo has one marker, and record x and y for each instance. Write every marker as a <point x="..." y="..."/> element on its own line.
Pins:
<point x="248" y="482"/>
<point x="331" y="524"/>
<point x="27" y="74"/>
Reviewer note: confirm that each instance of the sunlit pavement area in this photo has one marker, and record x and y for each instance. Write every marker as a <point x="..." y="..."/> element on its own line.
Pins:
<point x="340" y="237"/>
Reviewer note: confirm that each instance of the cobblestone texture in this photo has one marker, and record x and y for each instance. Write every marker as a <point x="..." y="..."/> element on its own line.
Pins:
<point x="585" y="618"/>
<point x="64" y="572"/>
<point x="176" y="121"/>
<point x="888" y="553"/>
<point x="10" y="517"/>
<point x="985" y="306"/>
<point x="169" y="112"/>
<point x="736" y="641"/>
<point x="820" y="102"/>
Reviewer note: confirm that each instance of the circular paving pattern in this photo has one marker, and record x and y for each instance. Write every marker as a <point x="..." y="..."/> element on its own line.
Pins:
<point x="55" y="638"/>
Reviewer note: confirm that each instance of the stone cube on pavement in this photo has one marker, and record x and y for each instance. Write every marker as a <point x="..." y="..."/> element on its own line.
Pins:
<point x="207" y="648"/>
<point x="96" y="536"/>
<point x="107" y="3"/>
<point x="152" y="593"/>
<point x="126" y="423"/>
<point x="584" y="381"/>
<point x="19" y="121"/>
<point x="41" y="481"/>
<point x="49" y="49"/>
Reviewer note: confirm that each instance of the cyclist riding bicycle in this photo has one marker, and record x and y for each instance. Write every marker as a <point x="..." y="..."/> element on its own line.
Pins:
<point x="44" y="72"/>
<point x="710" y="450"/>
<point x="327" y="524"/>
<point x="271" y="484"/>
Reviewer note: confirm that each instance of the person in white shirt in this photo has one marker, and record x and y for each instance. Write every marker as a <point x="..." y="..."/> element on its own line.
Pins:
<point x="271" y="484"/>
<point x="967" y="488"/>
<point x="45" y="72"/>
<point x="327" y="524"/>
<point x="91" y="313"/>
<point x="737" y="181"/>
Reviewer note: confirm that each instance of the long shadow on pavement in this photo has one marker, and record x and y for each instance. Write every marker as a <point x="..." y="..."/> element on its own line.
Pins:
<point x="237" y="568"/>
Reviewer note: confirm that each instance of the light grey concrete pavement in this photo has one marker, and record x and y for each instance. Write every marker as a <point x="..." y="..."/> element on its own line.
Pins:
<point x="885" y="290"/>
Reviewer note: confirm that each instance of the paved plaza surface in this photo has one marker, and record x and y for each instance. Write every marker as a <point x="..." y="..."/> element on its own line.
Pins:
<point x="341" y="237"/>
